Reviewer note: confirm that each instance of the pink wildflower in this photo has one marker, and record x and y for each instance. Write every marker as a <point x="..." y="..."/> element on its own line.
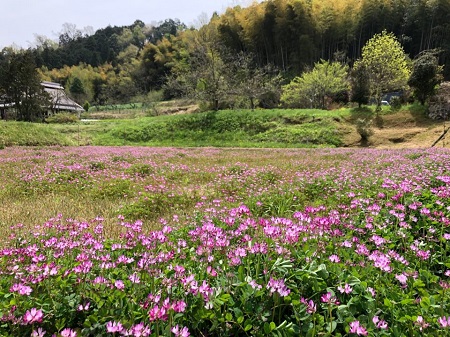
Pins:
<point x="329" y="298"/>
<point x="278" y="286"/>
<point x="357" y="328"/>
<point x="421" y="323"/>
<point x="334" y="258"/>
<point x="380" y="324"/>
<point x="346" y="289"/>
<point x="38" y="333"/>
<point x="119" y="284"/>
<point x="21" y="289"/>
<point x="444" y="322"/>
<point x="402" y="278"/>
<point x="139" y="330"/>
<point x="310" y="305"/>
<point x="179" y="306"/>
<point x="33" y="316"/>
<point x="180" y="332"/>
<point x="68" y="333"/>
<point x="114" y="327"/>
<point x="134" y="278"/>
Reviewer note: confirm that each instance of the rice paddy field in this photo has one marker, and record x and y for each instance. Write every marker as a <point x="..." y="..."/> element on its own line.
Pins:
<point x="139" y="241"/>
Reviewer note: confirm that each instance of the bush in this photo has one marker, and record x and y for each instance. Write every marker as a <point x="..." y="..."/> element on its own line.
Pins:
<point x="62" y="118"/>
<point x="396" y="103"/>
<point x="364" y="128"/>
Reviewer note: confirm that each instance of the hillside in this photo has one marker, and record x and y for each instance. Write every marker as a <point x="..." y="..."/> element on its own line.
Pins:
<point x="407" y="128"/>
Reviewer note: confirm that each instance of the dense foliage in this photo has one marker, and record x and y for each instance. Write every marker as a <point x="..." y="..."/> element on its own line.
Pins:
<point x="119" y="64"/>
<point x="252" y="245"/>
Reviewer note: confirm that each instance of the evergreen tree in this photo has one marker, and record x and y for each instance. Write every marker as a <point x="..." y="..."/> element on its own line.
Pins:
<point x="21" y="85"/>
<point x="425" y="76"/>
<point x="360" y="86"/>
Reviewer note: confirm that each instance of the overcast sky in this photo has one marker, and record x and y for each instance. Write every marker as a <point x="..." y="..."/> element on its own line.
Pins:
<point x="22" y="19"/>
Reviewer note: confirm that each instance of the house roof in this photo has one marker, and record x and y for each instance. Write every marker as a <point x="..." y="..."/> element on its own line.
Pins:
<point x="60" y="100"/>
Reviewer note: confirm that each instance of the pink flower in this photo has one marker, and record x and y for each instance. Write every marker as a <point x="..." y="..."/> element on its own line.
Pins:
<point x="139" y="330"/>
<point x="33" y="316"/>
<point x="357" y="328"/>
<point x="21" y="289"/>
<point x="134" y="278"/>
<point x="310" y="305"/>
<point x="346" y="289"/>
<point x="85" y="307"/>
<point x="184" y="332"/>
<point x="444" y="322"/>
<point x="329" y="298"/>
<point x="402" y="278"/>
<point x="119" y="284"/>
<point x="179" y="306"/>
<point x="114" y="327"/>
<point x="334" y="258"/>
<point x="421" y="323"/>
<point x="38" y="333"/>
<point x="68" y="333"/>
<point x="380" y="324"/>
<point x="278" y="286"/>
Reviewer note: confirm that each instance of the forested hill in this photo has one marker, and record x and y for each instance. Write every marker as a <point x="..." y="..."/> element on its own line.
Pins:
<point x="117" y="63"/>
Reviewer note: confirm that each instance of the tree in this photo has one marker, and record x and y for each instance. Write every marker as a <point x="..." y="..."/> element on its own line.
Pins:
<point x="360" y="86"/>
<point x="311" y="89"/>
<point x="203" y="74"/>
<point x="77" y="89"/>
<point x="251" y="81"/>
<point x="21" y="85"/>
<point x="386" y="65"/>
<point x="426" y="75"/>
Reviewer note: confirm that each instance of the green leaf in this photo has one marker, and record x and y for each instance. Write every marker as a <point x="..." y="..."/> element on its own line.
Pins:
<point x="266" y="328"/>
<point x="273" y="326"/>
<point x="248" y="327"/>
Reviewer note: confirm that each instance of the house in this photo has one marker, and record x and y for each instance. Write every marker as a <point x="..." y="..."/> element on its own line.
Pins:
<point x="59" y="99"/>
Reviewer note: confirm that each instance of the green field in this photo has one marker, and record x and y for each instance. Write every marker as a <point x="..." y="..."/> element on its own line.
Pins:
<point x="229" y="128"/>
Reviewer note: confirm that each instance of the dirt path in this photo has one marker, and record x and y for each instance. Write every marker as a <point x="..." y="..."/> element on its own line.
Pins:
<point x="402" y="130"/>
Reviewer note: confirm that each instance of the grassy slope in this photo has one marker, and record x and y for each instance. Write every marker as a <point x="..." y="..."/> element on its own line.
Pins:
<point x="242" y="128"/>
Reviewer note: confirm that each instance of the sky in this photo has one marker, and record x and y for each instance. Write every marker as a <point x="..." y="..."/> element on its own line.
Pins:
<point x="21" y="20"/>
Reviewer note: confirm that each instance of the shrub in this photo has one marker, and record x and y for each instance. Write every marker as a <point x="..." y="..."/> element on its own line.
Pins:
<point x="62" y="118"/>
<point x="396" y="103"/>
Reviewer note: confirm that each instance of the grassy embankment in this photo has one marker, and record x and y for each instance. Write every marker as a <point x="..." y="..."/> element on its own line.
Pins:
<point x="241" y="128"/>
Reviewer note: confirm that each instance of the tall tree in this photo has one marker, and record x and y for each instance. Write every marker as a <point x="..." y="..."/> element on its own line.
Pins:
<point x="21" y="85"/>
<point x="205" y="75"/>
<point x="360" y="86"/>
<point x="77" y="89"/>
<point x="386" y="64"/>
<point x="425" y="76"/>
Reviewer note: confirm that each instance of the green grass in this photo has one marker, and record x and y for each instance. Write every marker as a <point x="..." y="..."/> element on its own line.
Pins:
<point x="228" y="128"/>
<point x="30" y="134"/>
<point x="241" y="128"/>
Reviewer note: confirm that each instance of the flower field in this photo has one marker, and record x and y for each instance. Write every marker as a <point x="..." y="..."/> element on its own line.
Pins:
<point x="105" y="241"/>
